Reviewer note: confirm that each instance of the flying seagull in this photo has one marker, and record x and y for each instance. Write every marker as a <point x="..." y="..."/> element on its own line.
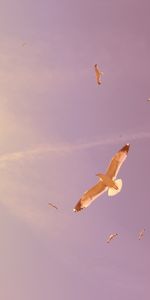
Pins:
<point x="98" y="74"/>
<point x="111" y="237"/>
<point x="106" y="182"/>
<point x="141" y="234"/>
<point x="52" y="205"/>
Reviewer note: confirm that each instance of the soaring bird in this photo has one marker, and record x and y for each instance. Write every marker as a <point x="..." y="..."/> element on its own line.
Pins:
<point x="106" y="182"/>
<point x="111" y="237"/>
<point x="98" y="74"/>
<point x="24" y="44"/>
<point x="52" y="205"/>
<point x="141" y="234"/>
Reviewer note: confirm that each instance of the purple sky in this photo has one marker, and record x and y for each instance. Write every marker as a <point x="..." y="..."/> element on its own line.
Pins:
<point x="57" y="130"/>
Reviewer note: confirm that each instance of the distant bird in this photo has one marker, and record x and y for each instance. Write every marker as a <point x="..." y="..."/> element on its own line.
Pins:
<point x="141" y="234"/>
<point x="24" y="44"/>
<point x="107" y="181"/>
<point x="52" y="205"/>
<point x="98" y="74"/>
<point x="111" y="237"/>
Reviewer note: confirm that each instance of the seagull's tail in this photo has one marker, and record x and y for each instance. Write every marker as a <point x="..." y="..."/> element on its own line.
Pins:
<point x="112" y="191"/>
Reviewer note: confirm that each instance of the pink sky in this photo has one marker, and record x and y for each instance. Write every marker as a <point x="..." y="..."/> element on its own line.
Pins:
<point x="58" y="129"/>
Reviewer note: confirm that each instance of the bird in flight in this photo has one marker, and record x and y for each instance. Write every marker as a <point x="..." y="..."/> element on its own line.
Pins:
<point x="24" y="44"/>
<point x="106" y="182"/>
<point x="98" y="74"/>
<point x="111" y="237"/>
<point x="52" y="205"/>
<point x="141" y="234"/>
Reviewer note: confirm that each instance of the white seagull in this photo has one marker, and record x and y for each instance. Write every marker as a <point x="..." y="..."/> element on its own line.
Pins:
<point x="106" y="182"/>
<point x="141" y="234"/>
<point x="98" y="74"/>
<point x="111" y="237"/>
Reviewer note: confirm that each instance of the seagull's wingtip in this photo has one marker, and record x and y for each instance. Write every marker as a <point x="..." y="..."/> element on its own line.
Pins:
<point x="125" y="148"/>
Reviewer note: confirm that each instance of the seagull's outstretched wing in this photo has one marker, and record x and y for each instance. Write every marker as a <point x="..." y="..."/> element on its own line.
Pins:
<point x="89" y="196"/>
<point x="117" y="161"/>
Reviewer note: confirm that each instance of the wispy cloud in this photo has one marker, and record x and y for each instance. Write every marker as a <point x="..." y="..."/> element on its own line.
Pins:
<point x="69" y="148"/>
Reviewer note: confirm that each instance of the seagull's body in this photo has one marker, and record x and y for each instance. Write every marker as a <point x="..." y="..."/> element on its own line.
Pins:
<point x="107" y="181"/>
<point x="52" y="205"/>
<point x="111" y="237"/>
<point x="141" y="234"/>
<point x="98" y="74"/>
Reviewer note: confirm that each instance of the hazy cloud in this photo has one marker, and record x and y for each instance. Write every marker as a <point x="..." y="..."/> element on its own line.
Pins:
<point x="69" y="148"/>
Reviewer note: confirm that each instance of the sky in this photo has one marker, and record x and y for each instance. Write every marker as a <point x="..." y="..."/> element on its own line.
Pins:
<point x="58" y="129"/>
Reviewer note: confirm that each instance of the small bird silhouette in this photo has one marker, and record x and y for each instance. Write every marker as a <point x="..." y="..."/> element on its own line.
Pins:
<point x="141" y="234"/>
<point x="24" y="44"/>
<point x="52" y="205"/>
<point x="98" y="74"/>
<point x="111" y="237"/>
